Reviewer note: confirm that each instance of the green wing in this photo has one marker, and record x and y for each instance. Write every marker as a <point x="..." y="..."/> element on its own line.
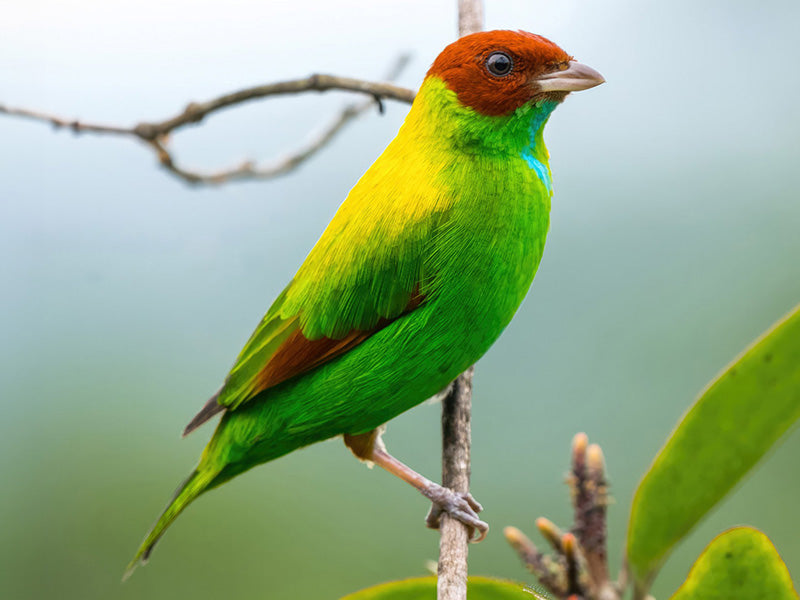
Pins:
<point x="359" y="277"/>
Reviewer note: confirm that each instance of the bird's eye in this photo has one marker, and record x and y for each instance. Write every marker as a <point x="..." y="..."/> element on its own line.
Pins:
<point x="499" y="64"/>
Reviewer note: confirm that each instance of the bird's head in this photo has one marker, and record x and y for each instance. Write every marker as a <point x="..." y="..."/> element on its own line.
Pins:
<point x="497" y="72"/>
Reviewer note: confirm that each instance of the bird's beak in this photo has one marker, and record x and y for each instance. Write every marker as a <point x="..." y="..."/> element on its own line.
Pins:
<point x="574" y="78"/>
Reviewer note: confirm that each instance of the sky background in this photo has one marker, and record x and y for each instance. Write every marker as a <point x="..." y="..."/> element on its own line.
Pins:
<point x="127" y="295"/>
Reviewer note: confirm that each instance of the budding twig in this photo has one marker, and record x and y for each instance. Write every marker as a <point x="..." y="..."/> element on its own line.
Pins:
<point x="571" y="556"/>
<point x="581" y="569"/>
<point x="551" y="533"/>
<point x="589" y="500"/>
<point x="549" y="573"/>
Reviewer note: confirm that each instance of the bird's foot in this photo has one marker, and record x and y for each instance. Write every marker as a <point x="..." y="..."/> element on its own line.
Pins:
<point x="459" y="505"/>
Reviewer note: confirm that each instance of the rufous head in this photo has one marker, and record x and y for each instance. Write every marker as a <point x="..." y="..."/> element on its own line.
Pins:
<point x="496" y="72"/>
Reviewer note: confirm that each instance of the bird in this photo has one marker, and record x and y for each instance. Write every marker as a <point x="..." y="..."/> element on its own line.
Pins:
<point x="418" y="273"/>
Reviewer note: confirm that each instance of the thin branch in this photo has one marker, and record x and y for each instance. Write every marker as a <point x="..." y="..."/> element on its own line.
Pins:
<point x="58" y="122"/>
<point x="195" y="112"/>
<point x="287" y="162"/>
<point x="154" y="134"/>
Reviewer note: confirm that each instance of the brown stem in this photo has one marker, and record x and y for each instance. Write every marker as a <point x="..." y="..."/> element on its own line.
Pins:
<point x="456" y="408"/>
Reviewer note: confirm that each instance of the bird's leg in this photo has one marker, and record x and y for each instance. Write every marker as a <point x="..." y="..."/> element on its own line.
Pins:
<point x="461" y="506"/>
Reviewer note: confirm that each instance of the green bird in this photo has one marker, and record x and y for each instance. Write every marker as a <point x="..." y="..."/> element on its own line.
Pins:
<point x="416" y="276"/>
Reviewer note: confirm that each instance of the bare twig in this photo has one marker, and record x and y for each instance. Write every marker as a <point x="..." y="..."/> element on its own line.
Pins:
<point x="285" y="163"/>
<point x="58" y="122"/>
<point x="154" y="134"/>
<point x="197" y="111"/>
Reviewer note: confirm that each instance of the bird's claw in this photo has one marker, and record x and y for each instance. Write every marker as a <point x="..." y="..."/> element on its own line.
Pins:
<point x="459" y="505"/>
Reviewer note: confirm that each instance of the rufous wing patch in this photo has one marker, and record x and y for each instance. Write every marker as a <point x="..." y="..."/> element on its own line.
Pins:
<point x="298" y="354"/>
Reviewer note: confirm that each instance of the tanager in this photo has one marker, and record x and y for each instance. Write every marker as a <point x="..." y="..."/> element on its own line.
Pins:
<point x="420" y="270"/>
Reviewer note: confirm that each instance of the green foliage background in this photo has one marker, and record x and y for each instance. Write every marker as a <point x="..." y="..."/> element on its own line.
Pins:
<point x="126" y="296"/>
<point x="717" y="443"/>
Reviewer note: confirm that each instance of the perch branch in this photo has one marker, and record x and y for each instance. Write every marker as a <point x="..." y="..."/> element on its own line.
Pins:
<point x="453" y="543"/>
<point x="155" y="134"/>
<point x="470" y="17"/>
<point x="456" y="436"/>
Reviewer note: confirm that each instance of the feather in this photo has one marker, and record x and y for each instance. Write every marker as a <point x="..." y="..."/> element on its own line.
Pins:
<point x="211" y="408"/>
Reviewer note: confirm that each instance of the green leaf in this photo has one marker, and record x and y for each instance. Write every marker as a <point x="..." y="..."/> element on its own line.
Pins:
<point x="740" y="564"/>
<point x="424" y="588"/>
<point x="734" y="422"/>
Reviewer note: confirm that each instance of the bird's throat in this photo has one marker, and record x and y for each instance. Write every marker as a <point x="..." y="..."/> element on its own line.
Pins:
<point x="535" y="152"/>
<point x="438" y="119"/>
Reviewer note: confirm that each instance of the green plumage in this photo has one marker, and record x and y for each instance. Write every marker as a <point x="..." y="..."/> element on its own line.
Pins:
<point x="455" y="210"/>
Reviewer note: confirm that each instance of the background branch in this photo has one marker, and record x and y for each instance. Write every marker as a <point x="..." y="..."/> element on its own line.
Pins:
<point x="155" y="134"/>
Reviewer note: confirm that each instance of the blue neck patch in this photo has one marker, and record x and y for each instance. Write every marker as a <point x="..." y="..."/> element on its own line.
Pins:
<point x="541" y="113"/>
<point x="542" y="172"/>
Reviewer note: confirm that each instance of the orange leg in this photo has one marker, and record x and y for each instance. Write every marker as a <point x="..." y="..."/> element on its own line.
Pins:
<point x="370" y="447"/>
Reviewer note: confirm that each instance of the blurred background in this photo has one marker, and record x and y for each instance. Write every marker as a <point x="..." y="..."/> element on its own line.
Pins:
<point x="126" y="295"/>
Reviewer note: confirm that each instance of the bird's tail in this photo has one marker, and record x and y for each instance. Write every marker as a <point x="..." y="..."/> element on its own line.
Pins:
<point x="191" y="488"/>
